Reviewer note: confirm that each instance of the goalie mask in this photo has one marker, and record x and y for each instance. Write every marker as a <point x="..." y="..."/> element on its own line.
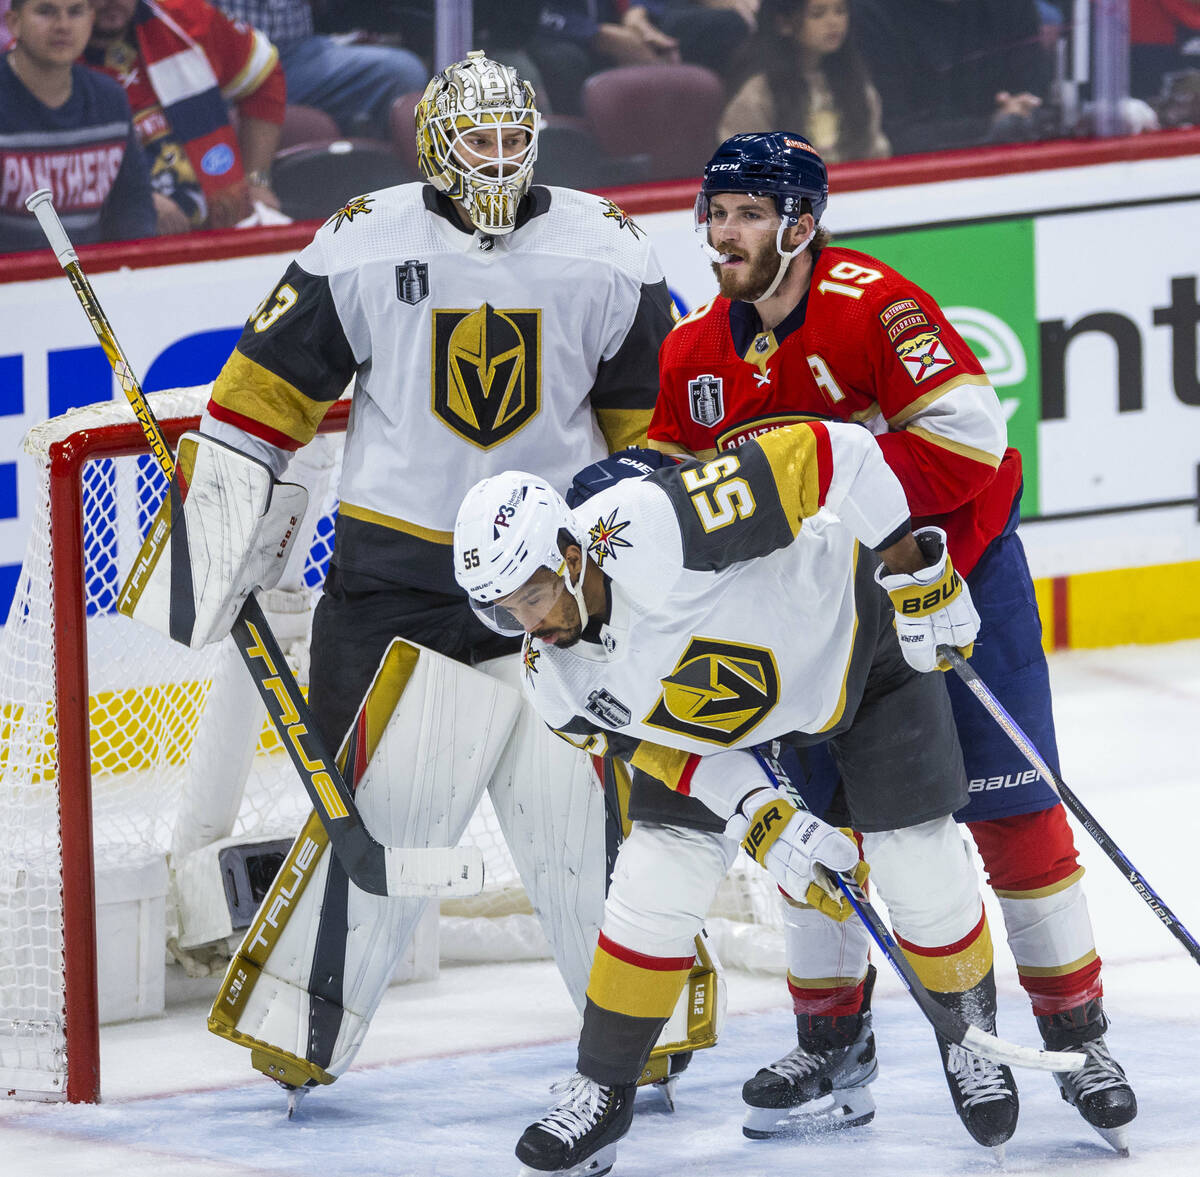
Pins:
<point x="781" y="165"/>
<point x="506" y="531"/>
<point x="477" y="129"/>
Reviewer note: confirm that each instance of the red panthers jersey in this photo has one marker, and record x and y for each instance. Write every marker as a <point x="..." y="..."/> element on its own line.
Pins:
<point x="867" y="345"/>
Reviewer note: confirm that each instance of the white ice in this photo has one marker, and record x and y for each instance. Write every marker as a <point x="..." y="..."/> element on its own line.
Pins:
<point x="452" y="1071"/>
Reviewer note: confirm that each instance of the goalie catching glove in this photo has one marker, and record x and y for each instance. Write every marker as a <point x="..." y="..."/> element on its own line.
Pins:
<point x="225" y="528"/>
<point x="933" y="605"/>
<point x="797" y="850"/>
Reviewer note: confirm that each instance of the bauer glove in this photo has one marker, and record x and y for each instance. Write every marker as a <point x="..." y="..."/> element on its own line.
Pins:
<point x="797" y="849"/>
<point x="933" y="605"/>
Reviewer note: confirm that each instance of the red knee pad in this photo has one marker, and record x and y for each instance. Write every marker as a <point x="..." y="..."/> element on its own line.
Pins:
<point x="1026" y="851"/>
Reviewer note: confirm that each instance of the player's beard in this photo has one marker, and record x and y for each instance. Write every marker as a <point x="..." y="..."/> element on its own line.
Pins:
<point x="563" y="638"/>
<point x="749" y="280"/>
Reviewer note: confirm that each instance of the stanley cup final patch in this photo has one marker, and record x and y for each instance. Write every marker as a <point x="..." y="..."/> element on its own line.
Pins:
<point x="924" y="356"/>
<point x="412" y="281"/>
<point x="706" y="401"/>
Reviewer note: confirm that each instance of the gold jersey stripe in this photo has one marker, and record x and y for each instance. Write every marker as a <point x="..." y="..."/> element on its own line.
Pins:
<point x="1042" y="892"/>
<point x="966" y="380"/>
<point x="250" y="390"/>
<point x="955" y="447"/>
<point x="958" y="971"/>
<point x="623" y="427"/>
<point x="366" y="515"/>
<point x="663" y="764"/>
<point x="836" y="716"/>
<point x="792" y="456"/>
<point x="624" y="988"/>
<point x="822" y="982"/>
<point x="1061" y="970"/>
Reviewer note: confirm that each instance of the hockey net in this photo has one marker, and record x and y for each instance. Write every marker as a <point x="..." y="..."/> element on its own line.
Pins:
<point x="103" y="725"/>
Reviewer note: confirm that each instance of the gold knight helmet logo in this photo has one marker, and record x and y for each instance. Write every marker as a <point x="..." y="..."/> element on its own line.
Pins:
<point x="487" y="371"/>
<point x="717" y="692"/>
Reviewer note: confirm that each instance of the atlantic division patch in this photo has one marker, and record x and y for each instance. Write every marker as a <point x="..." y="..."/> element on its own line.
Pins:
<point x="607" y="708"/>
<point x="604" y="538"/>
<point x="924" y="356"/>
<point x="412" y="281"/>
<point x="706" y="399"/>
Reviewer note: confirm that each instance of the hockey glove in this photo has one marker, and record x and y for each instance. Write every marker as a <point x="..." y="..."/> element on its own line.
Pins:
<point x="933" y="605"/>
<point x="795" y="847"/>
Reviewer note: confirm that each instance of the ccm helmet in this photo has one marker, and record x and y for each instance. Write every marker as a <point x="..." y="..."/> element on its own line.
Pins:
<point x="507" y="528"/>
<point x="780" y="164"/>
<point x="478" y="94"/>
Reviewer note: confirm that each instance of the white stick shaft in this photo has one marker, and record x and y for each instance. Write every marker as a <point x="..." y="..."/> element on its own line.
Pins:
<point x="41" y="204"/>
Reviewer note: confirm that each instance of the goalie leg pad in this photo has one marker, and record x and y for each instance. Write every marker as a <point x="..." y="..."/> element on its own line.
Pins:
<point x="319" y="954"/>
<point x="225" y="528"/>
<point x="550" y="806"/>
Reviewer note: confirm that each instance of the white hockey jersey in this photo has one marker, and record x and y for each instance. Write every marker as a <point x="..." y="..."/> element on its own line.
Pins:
<point x="735" y="588"/>
<point x="468" y="354"/>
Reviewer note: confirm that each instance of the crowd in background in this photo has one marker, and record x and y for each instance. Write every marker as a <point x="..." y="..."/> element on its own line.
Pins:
<point x="152" y="117"/>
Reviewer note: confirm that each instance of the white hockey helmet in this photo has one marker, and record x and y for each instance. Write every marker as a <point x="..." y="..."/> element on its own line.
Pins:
<point x="473" y="95"/>
<point x="507" y="528"/>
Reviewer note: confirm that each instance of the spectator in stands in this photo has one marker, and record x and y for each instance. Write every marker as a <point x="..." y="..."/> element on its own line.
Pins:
<point x="68" y="129"/>
<point x="180" y="61"/>
<point x="578" y="37"/>
<point x="808" y="75"/>
<point x="354" y="84"/>
<point x="1164" y="38"/>
<point x="955" y="73"/>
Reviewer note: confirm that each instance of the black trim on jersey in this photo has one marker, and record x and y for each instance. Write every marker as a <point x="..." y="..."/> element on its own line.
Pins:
<point x="765" y="530"/>
<point x="744" y="323"/>
<point x="390" y="557"/>
<point x="306" y="345"/>
<point x="629" y="378"/>
<point x="533" y="204"/>
<point x="895" y="537"/>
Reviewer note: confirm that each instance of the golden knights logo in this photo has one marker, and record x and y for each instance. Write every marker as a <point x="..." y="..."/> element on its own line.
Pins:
<point x="487" y="371"/>
<point x="529" y="658"/>
<point x="717" y="692"/>
<point x="706" y="400"/>
<point x="604" y="538"/>
<point x="357" y="206"/>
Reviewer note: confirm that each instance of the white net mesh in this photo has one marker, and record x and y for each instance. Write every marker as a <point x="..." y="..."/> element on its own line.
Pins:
<point x="146" y="702"/>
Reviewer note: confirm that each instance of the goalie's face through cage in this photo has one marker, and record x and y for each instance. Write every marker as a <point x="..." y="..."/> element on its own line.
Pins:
<point x="477" y="129"/>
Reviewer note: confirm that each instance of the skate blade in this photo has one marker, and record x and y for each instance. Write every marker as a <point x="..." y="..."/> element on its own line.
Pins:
<point x="666" y="1088"/>
<point x="998" y="1153"/>
<point x="1117" y="1137"/>
<point x="294" y="1096"/>
<point x="599" y="1163"/>
<point x="834" y="1112"/>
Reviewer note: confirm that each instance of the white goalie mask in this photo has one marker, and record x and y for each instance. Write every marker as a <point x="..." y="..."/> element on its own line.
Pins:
<point x="507" y="529"/>
<point x="477" y="131"/>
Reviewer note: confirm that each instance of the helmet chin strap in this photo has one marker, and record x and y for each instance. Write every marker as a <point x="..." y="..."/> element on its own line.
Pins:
<point x="576" y="590"/>
<point x="785" y="259"/>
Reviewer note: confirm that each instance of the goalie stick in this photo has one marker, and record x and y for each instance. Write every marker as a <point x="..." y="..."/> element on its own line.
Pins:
<point x="945" y="1022"/>
<point x="1025" y="745"/>
<point x="370" y="865"/>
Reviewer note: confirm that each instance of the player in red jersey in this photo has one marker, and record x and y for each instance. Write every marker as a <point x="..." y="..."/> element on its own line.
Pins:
<point x="805" y="329"/>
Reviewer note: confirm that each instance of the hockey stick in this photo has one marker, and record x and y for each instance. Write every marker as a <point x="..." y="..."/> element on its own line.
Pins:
<point x="1009" y="726"/>
<point x="371" y="866"/>
<point x="945" y="1022"/>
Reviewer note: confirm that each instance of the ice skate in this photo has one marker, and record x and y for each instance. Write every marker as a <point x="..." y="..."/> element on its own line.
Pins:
<point x="1098" y="1090"/>
<point x="821" y="1086"/>
<point x="984" y="1092"/>
<point x="578" y="1136"/>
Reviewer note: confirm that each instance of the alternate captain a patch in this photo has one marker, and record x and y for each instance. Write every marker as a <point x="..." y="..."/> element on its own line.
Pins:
<point x="924" y="356"/>
<point x="706" y="399"/>
<point x="718" y="692"/>
<point x="487" y="371"/>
